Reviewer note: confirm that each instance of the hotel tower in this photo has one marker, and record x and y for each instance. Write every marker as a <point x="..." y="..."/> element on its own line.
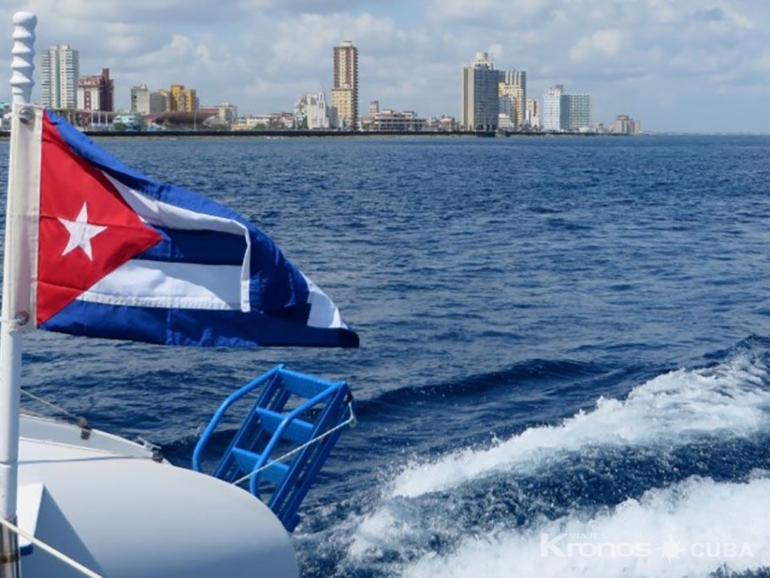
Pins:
<point x="59" y="72"/>
<point x="481" y="101"/>
<point x="345" y="86"/>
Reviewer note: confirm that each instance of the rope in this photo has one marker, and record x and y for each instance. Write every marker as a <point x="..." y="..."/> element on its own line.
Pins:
<point x="49" y="404"/>
<point x="50" y="549"/>
<point x="350" y="421"/>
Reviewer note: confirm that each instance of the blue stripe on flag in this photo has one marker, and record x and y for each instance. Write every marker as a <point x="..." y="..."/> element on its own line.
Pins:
<point x="192" y="327"/>
<point x="203" y="247"/>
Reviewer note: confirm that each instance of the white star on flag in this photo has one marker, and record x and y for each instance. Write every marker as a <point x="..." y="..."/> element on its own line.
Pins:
<point x="81" y="233"/>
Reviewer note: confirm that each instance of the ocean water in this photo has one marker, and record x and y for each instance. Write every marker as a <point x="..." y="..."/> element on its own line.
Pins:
<point x="565" y="349"/>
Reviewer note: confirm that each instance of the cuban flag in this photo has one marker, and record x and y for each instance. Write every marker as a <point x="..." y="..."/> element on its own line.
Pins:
<point x="101" y="250"/>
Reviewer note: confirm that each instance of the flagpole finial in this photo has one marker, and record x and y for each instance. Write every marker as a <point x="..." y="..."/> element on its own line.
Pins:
<point x="23" y="51"/>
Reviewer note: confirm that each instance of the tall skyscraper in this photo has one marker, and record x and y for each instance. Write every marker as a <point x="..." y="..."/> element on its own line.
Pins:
<point x="552" y="107"/>
<point x="481" y="103"/>
<point x="345" y="85"/>
<point x="59" y="73"/>
<point x="96" y="92"/>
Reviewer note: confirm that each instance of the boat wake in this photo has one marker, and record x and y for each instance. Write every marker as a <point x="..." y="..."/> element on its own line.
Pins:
<point x="674" y="409"/>
<point x="694" y="528"/>
<point x="669" y="481"/>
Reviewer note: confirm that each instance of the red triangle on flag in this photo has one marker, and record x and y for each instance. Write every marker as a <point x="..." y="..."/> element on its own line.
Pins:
<point x="87" y="230"/>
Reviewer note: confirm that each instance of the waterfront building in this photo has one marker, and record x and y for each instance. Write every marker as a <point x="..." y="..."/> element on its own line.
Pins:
<point x="157" y="102"/>
<point x="269" y="121"/>
<point x="213" y="116"/>
<point x="480" y="95"/>
<point x="345" y="85"/>
<point x="552" y="107"/>
<point x="96" y="93"/>
<point x="226" y="112"/>
<point x="566" y="112"/>
<point x="128" y="121"/>
<point x="59" y="72"/>
<point x="576" y="112"/>
<point x="140" y="97"/>
<point x="181" y="99"/>
<point x="392" y="121"/>
<point x="146" y="102"/>
<point x="533" y="113"/>
<point x="443" y="123"/>
<point x="624" y="124"/>
<point x="507" y="112"/>
<point x="513" y="87"/>
<point x="311" y="111"/>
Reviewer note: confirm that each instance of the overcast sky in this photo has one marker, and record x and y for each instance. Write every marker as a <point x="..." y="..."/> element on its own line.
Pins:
<point x="676" y="65"/>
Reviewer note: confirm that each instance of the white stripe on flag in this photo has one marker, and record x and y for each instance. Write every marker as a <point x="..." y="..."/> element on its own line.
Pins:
<point x="169" y="285"/>
<point x="323" y="311"/>
<point x="163" y="214"/>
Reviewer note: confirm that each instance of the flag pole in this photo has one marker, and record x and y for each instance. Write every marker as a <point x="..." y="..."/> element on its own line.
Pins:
<point x="14" y="313"/>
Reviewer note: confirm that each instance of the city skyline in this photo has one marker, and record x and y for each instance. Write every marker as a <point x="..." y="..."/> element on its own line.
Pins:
<point x="678" y="68"/>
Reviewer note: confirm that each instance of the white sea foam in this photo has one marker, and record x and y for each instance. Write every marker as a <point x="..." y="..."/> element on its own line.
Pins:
<point x="690" y="529"/>
<point x="728" y="401"/>
<point x="673" y="409"/>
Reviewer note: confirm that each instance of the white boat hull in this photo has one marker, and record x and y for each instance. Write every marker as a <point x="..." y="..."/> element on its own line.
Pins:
<point x="108" y="505"/>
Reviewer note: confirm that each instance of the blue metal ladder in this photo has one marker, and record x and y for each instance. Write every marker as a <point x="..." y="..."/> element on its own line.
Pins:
<point x="291" y="410"/>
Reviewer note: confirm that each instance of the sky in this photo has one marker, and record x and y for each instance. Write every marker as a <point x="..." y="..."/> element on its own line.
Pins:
<point x="675" y="65"/>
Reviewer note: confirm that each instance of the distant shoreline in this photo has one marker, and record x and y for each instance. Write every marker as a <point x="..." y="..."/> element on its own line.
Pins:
<point x="318" y="134"/>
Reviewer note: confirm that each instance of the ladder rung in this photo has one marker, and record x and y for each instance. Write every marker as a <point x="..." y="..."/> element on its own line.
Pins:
<point x="281" y="393"/>
<point x="303" y="385"/>
<point x="298" y="431"/>
<point x="247" y="460"/>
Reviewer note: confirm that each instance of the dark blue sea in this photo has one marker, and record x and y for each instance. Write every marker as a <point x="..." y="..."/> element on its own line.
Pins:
<point x="565" y="349"/>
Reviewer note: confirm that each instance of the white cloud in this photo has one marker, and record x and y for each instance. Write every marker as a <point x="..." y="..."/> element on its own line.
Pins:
<point x="492" y="13"/>
<point x="600" y="43"/>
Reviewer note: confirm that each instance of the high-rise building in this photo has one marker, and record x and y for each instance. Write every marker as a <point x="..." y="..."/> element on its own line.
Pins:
<point x="59" y="72"/>
<point x="533" y="113"/>
<point x="96" y="92"/>
<point x="513" y="93"/>
<point x="140" y="95"/>
<point x="481" y="105"/>
<point x="145" y="102"/>
<point x="345" y="85"/>
<point x="552" y="107"/>
<point x="568" y="112"/>
<point x="506" y="112"/>
<point x="624" y="124"/>
<point x="182" y="99"/>
<point x="575" y="112"/>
